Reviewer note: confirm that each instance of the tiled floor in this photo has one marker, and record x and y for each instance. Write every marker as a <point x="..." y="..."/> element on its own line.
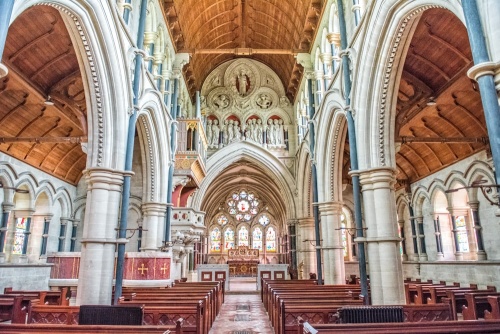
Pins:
<point x="242" y="311"/>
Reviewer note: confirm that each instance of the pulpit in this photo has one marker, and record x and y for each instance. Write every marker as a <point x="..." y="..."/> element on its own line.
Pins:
<point x="243" y="261"/>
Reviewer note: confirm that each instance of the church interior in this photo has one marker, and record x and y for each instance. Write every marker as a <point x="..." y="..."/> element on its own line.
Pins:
<point x="320" y="155"/>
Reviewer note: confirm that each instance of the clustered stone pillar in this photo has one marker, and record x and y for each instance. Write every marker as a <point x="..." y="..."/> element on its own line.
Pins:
<point x="95" y="280"/>
<point x="439" y="241"/>
<point x="62" y="234"/>
<point x="306" y="252"/>
<point x="7" y="208"/>
<point x="153" y="218"/>
<point x="74" y="229"/>
<point x="401" y="224"/>
<point x="421" y="238"/>
<point x="458" y="254"/>
<point x="333" y="250"/>
<point x="478" y="229"/>
<point x="292" y="235"/>
<point x="382" y="237"/>
<point x="334" y="40"/>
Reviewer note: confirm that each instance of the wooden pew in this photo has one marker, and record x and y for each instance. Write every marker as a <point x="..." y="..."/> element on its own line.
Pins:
<point x="442" y="327"/>
<point x="46" y="297"/>
<point x="456" y="298"/>
<point x="11" y="309"/>
<point x="95" y="329"/>
<point x="192" y="319"/>
<point x="477" y="304"/>
<point x="494" y="302"/>
<point x="329" y="314"/>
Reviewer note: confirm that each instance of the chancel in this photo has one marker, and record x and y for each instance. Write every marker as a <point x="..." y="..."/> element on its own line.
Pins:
<point x="312" y="155"/>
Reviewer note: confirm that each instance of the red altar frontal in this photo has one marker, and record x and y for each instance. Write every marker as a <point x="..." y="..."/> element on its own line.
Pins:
<point x="137" y="266"/>
<point x="243" y="261"/>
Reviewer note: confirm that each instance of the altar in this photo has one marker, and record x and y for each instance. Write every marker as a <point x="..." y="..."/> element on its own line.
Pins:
<point x="243" y="262"/>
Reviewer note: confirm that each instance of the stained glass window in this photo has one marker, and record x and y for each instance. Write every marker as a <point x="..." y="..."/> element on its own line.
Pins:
<point x="19" y="235"/>
<point x="215" y="240"/>
<point x="463" y="242"/>
<point x="264" y="220"/>
<point x="243" y="236"/>
<point x="243" y="206"/>
<point x="222" y="220"/>
<point x="271" y="240"/>
<point x="257" y="239"/>
<point x="229" y="239"/>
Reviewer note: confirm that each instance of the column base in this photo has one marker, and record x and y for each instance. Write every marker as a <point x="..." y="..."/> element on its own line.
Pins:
<point x="423" y="257"/>
<point x="459" y="256"/>
<point x="405" y="257"/>
<point x="3" y="70"/>
<point x="440" y="256"/>
<point x="415" y="257"/>
<point x="481" y="256"/>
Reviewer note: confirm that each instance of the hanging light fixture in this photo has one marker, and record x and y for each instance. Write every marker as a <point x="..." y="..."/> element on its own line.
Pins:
<point x="48" y="101"/>
<point x="17" y="190"/>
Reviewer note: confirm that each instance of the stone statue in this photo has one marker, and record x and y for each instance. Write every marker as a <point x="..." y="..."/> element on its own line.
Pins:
<point x="260" y="132"/>
<point x="242" y="83"/>
<point x="223" y="128"/>
<point x="276" y="133"/>
<point x="281" y="134"/>
<point x="230" y="132"/>
<point x="236" y="130"/>
<point x="253" y="129"/>
<point x="270" y="132"/>
<point x="215" y="133"/>
<point x="208" y="131"/>
<point x="248" y="130"/>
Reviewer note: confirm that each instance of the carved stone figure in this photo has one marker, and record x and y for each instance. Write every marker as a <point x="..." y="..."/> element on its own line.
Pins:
<point x="248" y="130"/>
<point x="264" y="101"/>
<point x="208" y="131"/>
<point x="284" y="101"/>
<point x="253" y="128"/>
<point x="260" y="132"/>
<point x="230" y="132"/>
<point x="221" y="101"/>
<point x="223" y="128"/>
<point x="236" y="130"/>
<point x="242" y="83"/>
<point x="277" y="135"/>
<point x="281" y="134"/>
<point x="270" y="132"/>
<point x="215" y="133"/>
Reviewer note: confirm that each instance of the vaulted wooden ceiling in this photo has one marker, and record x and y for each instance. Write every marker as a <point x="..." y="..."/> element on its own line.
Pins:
<point x="439" y="116"/>
<point x="42" y="62"/>
<point x="271" y="31"/>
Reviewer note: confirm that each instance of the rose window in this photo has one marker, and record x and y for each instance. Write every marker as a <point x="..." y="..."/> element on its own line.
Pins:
<point x="243" y="206"/>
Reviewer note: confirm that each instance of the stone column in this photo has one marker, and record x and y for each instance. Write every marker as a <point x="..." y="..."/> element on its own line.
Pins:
<point x="333" y="250"/>
<point x="458" y="254"/>
<point x="74" y="229"/>
<point x="421" y="237"/>
<point x="326" y="59"/>
<point x="318" y="75"/>
<point x="478" y="229"/>
<point x="45" y="234"/>
<point x="153" y="216"/>
<point x="306" y="251"/>
<point x="401" y="224"/>
<point x="382" y="238"/>
<point x="6" y="7"/>
<point x="62" y="234"/>
<point x="437" y="233"/>
<point x="97" y="263"/>
<point x="292" y="239"/>
<point x="334" y="40"/>
<point x="6" y="208"/>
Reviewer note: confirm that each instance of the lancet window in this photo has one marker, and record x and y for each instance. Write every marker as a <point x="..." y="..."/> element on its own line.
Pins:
<point x="257" y="239"/>
<point x="271" y="240"/>
<point x="215" y="240"/>
<point x="243" y="236"/>
<point x="229" y="239"/>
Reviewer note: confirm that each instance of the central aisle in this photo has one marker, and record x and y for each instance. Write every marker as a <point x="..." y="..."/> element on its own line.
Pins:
<point x="242" y="311"/>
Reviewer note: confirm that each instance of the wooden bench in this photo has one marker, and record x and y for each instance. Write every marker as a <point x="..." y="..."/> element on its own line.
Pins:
<point x="95" y="329"/>
<point x="329" y="314"/>
<point x="477" y="304"/>
<point x="456" y="298"/>
<point x="494" y="302"/>
<point x="46" y="297"/>
<point x="442" y="327"/>
<point x="11" y="309"/>
<point x="192" y="318"/>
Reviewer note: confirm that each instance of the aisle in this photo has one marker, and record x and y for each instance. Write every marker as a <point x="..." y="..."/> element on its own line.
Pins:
<point x="242" y="311"/>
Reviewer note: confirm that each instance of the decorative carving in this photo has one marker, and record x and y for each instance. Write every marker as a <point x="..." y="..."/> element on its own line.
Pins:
<point x="264" y="101"/>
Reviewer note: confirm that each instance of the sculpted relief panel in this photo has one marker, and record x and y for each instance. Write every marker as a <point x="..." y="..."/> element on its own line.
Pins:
<point x="244" y="100"/>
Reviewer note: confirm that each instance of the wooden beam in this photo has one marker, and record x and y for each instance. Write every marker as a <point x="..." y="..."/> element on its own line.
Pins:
<point x="244" y="51"/>
<point x="454" y="140"/>
<point x="39" y="140"/>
